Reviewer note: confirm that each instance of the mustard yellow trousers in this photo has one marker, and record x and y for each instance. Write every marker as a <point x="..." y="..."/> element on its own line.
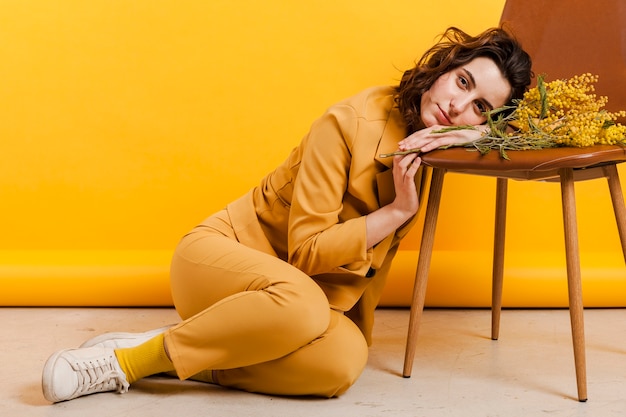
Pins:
<point x="256" y="323"/>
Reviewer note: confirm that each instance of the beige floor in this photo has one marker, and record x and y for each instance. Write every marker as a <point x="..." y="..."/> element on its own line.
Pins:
<point x="458" y="370"/>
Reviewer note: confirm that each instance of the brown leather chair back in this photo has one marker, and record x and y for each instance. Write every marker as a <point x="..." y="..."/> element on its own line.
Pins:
<point x="570" y="37"/>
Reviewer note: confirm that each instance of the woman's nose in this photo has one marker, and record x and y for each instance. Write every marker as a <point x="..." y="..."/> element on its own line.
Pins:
<point x="458" y="106"/>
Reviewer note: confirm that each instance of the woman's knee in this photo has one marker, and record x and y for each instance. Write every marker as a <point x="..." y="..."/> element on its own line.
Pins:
<point x="307" y="302"/>
<point x="347" y="358"/>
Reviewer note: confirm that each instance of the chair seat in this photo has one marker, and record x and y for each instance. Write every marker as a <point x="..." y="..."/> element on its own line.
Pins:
<point x="540" y="164"/>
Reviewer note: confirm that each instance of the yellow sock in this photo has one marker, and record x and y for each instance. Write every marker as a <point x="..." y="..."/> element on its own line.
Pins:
<point x="144" y="360"/>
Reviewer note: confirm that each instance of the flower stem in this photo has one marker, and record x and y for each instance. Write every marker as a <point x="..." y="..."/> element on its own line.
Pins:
<point x="387" y="155"/>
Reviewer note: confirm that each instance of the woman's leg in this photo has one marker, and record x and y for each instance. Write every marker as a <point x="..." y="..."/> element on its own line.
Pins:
<point x="240" y="307"/>
<point x="263" y="323"/>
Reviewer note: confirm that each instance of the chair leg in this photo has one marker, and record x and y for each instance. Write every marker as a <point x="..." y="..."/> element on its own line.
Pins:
<point x="423" y="266"/>
<point x="574" y="279"/>
<point x="498" y="257"/>
<point x="617" y="197"/>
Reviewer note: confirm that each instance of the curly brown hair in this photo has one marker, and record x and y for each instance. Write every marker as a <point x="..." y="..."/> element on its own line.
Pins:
<point x="454" y="49"/>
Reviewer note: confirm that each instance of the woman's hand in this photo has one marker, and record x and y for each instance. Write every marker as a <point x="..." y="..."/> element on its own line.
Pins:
<point x="404" y="170"/>
<point x="426" y="139"/>
<point x="384" y="221"/>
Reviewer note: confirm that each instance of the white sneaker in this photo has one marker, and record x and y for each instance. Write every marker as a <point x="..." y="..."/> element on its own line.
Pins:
<point x="72" y="373"/>
<point x="121" y="340"/>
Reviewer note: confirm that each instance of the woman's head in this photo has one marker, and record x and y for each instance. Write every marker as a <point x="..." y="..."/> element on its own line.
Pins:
<point x="457" y="50"/>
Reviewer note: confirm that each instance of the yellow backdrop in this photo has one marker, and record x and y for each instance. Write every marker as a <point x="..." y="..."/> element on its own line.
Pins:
<point x="124" y="124"/>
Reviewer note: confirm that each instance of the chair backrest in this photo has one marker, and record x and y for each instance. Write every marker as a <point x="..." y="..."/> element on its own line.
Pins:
<point x="571" y="37"/>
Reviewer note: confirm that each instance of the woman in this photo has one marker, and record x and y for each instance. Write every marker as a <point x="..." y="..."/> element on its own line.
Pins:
<point x="277" y="291"/>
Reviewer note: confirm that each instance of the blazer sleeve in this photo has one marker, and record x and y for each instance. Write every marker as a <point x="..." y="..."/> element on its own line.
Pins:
<point x="323" y="235"/>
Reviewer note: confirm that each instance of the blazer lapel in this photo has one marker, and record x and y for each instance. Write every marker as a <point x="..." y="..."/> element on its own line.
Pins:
<point x="394" y="131"/>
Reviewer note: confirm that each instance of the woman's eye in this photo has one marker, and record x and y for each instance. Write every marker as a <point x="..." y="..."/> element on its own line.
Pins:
<point x="463" y="82"/>
<point x="480" y="107"/>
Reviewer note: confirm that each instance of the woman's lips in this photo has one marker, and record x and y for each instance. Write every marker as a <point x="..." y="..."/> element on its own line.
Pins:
<point x="443" y="117"/>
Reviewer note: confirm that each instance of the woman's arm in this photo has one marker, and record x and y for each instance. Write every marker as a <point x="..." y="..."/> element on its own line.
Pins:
<point x="385" y="220"/>
<point x="321" y="235"/>
<point x="429" y="139"/>
<point x="335" y="216"/>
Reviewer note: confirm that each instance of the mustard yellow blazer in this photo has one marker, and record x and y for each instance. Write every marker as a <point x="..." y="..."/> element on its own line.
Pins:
<point x="311" y="210"/>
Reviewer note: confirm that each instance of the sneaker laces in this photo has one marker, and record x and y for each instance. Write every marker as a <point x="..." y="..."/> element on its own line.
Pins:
<point x="100" y="375"/>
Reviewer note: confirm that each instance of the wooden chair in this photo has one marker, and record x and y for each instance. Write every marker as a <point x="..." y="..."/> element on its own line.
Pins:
<point x="543" y="35"/>
<point x="566" y="165"/>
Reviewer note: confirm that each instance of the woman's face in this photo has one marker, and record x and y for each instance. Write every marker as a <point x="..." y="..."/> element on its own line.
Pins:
<point x="460" y="96"/>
